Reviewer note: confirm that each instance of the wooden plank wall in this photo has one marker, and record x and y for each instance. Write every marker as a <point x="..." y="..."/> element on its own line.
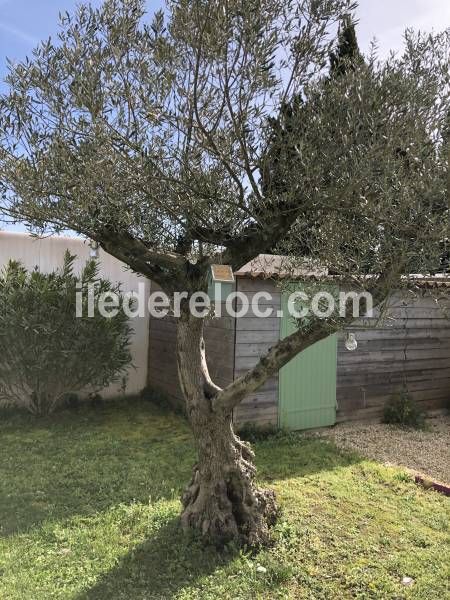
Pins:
<point x="162" y="363"/>
<point x="410" y="345"/>
<point x="254" y="336"/>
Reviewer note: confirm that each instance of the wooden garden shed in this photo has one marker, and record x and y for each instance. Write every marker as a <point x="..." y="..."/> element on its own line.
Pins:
<point x="325" y="384"/>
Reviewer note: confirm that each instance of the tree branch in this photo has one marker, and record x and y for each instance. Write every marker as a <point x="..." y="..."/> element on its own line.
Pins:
<point x="277" y="356"/>
<point x="158" y="266"/>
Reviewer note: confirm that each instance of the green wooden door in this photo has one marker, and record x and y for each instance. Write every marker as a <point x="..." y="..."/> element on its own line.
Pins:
<point x="307" y="387"/>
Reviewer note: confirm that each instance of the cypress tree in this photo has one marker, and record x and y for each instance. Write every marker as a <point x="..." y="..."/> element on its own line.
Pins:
<point x="347" y="54"/>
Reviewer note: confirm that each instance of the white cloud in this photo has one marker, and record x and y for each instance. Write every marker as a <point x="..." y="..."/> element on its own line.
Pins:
<point x="18" y="33"/>
<point x="386" y="20"/>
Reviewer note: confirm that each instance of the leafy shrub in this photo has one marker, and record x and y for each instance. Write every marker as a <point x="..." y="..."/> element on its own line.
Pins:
<point x="447" y="404"/>
<point x="47" y="353"/>
<point x="401" y="409"/>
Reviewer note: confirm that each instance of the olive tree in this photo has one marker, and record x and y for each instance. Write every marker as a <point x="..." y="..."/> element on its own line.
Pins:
<point x="213" y="132"/>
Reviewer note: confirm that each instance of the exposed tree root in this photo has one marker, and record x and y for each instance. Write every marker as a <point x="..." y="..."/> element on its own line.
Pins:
<point x="223" y="504"/>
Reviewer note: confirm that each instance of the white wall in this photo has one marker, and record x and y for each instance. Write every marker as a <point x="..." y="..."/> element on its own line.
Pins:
<point x="47" y="254"/>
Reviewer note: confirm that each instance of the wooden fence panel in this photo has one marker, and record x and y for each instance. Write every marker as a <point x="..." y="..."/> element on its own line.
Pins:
<point x="409" y="348"/>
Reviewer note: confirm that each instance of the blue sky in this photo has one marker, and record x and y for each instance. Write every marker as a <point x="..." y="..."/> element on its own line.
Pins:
<point x="24" y="22"/>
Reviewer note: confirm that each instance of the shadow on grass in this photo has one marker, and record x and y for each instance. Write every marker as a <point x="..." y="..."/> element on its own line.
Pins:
<point x="83" y="463"/>
<point x="159" y="568"/>
<point x="169" y="562"/>
<point x="129" y="451"/>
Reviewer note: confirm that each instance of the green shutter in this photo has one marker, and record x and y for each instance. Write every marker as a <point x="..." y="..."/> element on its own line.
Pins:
<point x="307" y="387"/>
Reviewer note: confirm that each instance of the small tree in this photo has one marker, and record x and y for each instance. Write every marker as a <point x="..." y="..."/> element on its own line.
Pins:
<point x="46" y="350"/>
<point x="152" y="137"/>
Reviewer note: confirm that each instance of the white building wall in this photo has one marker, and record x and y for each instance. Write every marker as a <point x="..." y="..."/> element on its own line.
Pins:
<point x="47" y="254"/>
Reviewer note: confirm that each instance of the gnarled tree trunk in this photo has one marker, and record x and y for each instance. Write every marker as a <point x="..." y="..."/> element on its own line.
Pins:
<point x="222" y="501"/>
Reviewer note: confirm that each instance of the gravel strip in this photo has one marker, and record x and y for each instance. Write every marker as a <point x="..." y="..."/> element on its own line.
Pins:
<point x="425" y="452"/>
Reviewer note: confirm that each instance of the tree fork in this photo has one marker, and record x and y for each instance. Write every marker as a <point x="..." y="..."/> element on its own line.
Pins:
<point x="221" y="502"/>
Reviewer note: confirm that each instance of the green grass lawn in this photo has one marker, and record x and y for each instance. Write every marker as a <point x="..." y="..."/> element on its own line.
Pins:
<point x="89" y="507"/>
